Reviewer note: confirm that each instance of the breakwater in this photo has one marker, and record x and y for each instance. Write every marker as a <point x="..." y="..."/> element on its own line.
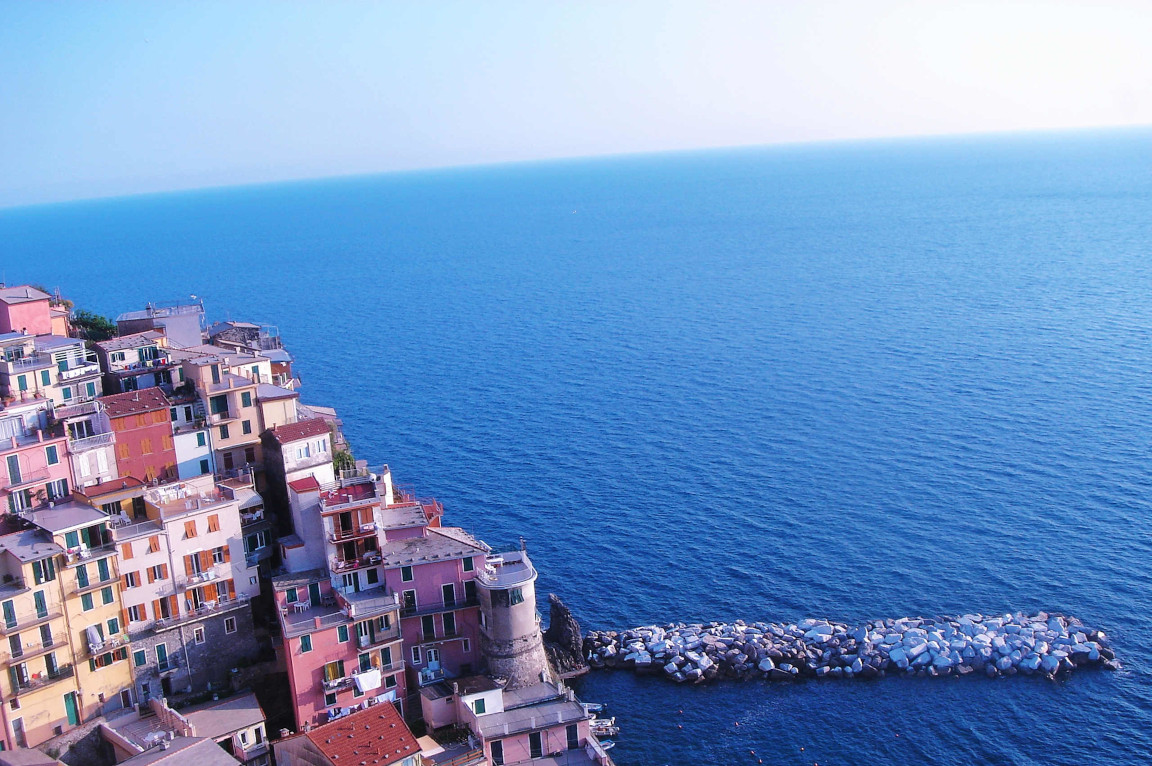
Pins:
<point x="999" y="645"/>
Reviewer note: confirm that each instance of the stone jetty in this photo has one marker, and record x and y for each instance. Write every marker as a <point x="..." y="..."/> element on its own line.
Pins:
<point x="992" y="645"/>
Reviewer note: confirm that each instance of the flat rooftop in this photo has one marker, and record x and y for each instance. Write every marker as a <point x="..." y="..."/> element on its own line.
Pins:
<point x="67" y="516"/>
<point x="530" y="718"/>
<point x="223" y="717"/>
<point x="437" y="546"/>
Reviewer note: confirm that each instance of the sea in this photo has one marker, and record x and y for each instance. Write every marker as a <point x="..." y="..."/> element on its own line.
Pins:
<point x="841" y="380"/>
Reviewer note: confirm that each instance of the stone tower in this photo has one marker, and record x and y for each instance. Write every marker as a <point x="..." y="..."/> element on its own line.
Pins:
<point x="510" y="637"/>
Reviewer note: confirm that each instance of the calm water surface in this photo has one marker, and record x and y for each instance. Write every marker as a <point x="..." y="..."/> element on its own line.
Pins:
<point x="845" y="381"/>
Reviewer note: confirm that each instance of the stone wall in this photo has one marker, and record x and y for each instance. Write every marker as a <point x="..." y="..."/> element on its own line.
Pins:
<point x="194" y="665"/>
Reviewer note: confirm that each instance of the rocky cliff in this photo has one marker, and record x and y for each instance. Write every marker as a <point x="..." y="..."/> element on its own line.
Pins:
<point x="563" y="641"/>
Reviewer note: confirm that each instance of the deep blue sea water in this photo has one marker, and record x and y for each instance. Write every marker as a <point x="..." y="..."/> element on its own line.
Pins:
<point x="844" y="380"/>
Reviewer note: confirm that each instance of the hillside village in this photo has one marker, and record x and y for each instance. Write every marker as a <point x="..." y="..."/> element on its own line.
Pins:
<point x="195" y="568"/>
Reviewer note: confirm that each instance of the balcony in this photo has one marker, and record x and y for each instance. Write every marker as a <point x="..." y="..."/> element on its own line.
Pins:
<point x="28" y="363"/>
<point x="29" y="622"/>
<point x="184" y="582"/>
<point x="107" y="645"/>
<point x="24" y="478"/>
<point x="340" y="535"/>
<point x="95" y="585"/>
<point x="370" y="558"/>
<point x="91" y="442"/>
<point x="246" y="753"/>
<point x="83" y="370"/>
<point x="366" y="604"/>
<point x="42" y="680"/>
<point x="76" y="556"/>
<point x="28" y="651"/>
<point x="379" y="638"/>
<point x="204" y="610"/>
<point x="434" y="607"/>
<point x="247" y="518"/>
<point x="217" y="418"/>
<point x="336" y="684"/>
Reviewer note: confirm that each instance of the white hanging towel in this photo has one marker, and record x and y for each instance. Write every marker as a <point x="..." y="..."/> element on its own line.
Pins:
<point x="367" y="681"/>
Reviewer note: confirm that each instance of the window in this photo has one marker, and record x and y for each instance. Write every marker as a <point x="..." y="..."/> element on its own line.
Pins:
<point x="389" y="682"/>
<point x="139" y="657"/>
<point x="201" y="439"/>
<point x="468" y="565"/>
<point x="291" y="595"/>
<point x="45" y="378"/>
<point x="364" y="662"/>
<point x="478" y="706"/>
<point x="536" y="745"/>
<point x="215" y="373"/>
<point x="373" y="576"/>
<point x="131" y="580"/>
<point x="56" y="489"/>
<point x="106" y="595"/>
<point x="250" y="455"/>
<point x="102" y="568"/>
<point x="154" y="544"/>
<point x="91" y="388"/>
<point x="334" y="671"/>
<point x="218" y="405"/>
<point x="305" y="644"/>
<point x="198" y="635"/>
<point x="86" y="602"/>
<point x="406" y="574"/>
<point x="204" y="466"/>
<point x="497" y="753"/>
<point x="43" y="571"/>
<point x="428" y="627"/>
<point x="113" y="626"/>
<point x="255" y="541"/>
<point x="162" y="657"/>
<point x="415" y="655"/>
<point x="246" y="427"/>
<point x="145" y="446"/>
<point x="219" y="555"/>
<point x="230" y="625"/>
<point x="448" y="591"/>
<point x="136" y="613"/>
<point x="470" y="591"/>
<point x="126" y="551"/>
<point x="515" y="596"/>
<point x="465" y="647"/>
<point x="342" y="633"/>
<point x="10" y="614"/>
<point x="22" y="382"/>
<point x="449" y="624"/>
<point x="224" y="431"/>
<point x="41" y="604"/>
<point x="67" y="392"/>
<point x="81" y="576"/>
<point x="189" y="529"/>
<point x="214" y="523"/>
<point x="329" y="700"/>
<point x="172" y="415"/>
<point x="158" y="572"/>
<point x="52" y="454"/>
<point x="245" y="400"/>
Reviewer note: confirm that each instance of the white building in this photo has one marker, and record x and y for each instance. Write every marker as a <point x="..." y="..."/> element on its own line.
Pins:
<point x="91" y="442"/>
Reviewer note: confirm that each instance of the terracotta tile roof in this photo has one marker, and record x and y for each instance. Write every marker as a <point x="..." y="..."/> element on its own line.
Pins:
<point x="307" y="484"/>
<point x="134" y="402"/>
<point x="374" y="735"/>
<point x="304" y="429"/>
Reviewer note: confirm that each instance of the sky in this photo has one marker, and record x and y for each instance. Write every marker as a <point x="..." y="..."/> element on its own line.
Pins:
<point x="105" y="99"/>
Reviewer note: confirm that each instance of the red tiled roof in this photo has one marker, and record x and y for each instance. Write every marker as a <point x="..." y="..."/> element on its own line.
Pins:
<point x="307" y="484"/>
<point x="303" y="429"/>
<point x="374" y="735"/>
<point x="134" y="402"/>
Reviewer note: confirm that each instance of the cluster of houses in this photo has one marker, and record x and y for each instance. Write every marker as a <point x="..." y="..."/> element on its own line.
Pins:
<point x="161" y="486"/>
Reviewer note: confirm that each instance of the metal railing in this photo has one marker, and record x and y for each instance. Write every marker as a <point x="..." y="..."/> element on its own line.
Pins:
<point x="28" y="651"/>
<point x="40" y="680"/>
<point x="363" y="530"/>
<point x="439" y="606"/>
<point x="29" y="622"/>
<point x="74" y="557"/>
<point x="204" y="610"/>
<point x="91" y="442"/>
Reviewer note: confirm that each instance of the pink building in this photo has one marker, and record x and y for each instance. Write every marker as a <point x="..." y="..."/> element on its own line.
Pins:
<point x="25" y="309"/>
<point x="342" y="650"/>
<point x="34" y="464"/>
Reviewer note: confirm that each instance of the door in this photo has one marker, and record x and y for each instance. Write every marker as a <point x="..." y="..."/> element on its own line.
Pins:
<point x="72" y="708"/>
<point x="449" y="594"/>
<point x="536" y="745"/>
<point x="432" y="654"/>
<point x="41" y="604"/>
<point x="314" y="593"/>
<point x="14" y="469"/>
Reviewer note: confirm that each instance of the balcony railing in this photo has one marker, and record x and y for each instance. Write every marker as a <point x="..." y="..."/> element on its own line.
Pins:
<point x="204" y="610"/>
<point x="95" y="585"/>
<point x="432" y="607"/>
<point x="74" y="556"/>
<point x="371" y="558"/>
<point x="80" y="371"/>
<point x="91" y="442"/>
<point x="24" y="479"/>
<point x="29" y="622"/>
<point x="28" y="651"/>
<point x="184" y="582"/>
<point x="251" y="518"/>
<point x="107" y="645"/>
<point x="341" y="535"/>
<point x="336" y="683"/>
<point x="40" y="680"/>
<point x="378" y="638"/>
<point x="31" y="362"/>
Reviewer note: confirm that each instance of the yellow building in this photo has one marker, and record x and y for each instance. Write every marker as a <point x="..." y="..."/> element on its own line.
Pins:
<point x="39" y="690"/>
<point x="89" y="580"/>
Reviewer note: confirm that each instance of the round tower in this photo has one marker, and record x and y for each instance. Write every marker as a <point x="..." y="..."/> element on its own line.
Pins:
<point x="510" y="638"/>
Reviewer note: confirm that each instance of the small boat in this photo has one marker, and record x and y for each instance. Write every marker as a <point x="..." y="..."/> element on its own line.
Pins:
<point x="607" y="744"/>
<point x="593" y="707"/>
<point x="604" y="727"/>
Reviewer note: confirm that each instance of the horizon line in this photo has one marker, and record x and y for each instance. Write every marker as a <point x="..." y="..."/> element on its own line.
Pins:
<point x="434" y="168"/>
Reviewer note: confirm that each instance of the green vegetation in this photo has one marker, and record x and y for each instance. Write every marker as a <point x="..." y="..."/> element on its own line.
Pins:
<point x="342" y="460"/>
<point x="92" y="326"/>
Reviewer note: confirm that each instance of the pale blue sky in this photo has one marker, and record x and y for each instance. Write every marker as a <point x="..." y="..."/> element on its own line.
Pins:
<point x="100" y="99"/>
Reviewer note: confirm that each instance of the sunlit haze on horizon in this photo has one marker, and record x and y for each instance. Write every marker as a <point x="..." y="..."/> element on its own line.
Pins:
<point x="104" y="99"/>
